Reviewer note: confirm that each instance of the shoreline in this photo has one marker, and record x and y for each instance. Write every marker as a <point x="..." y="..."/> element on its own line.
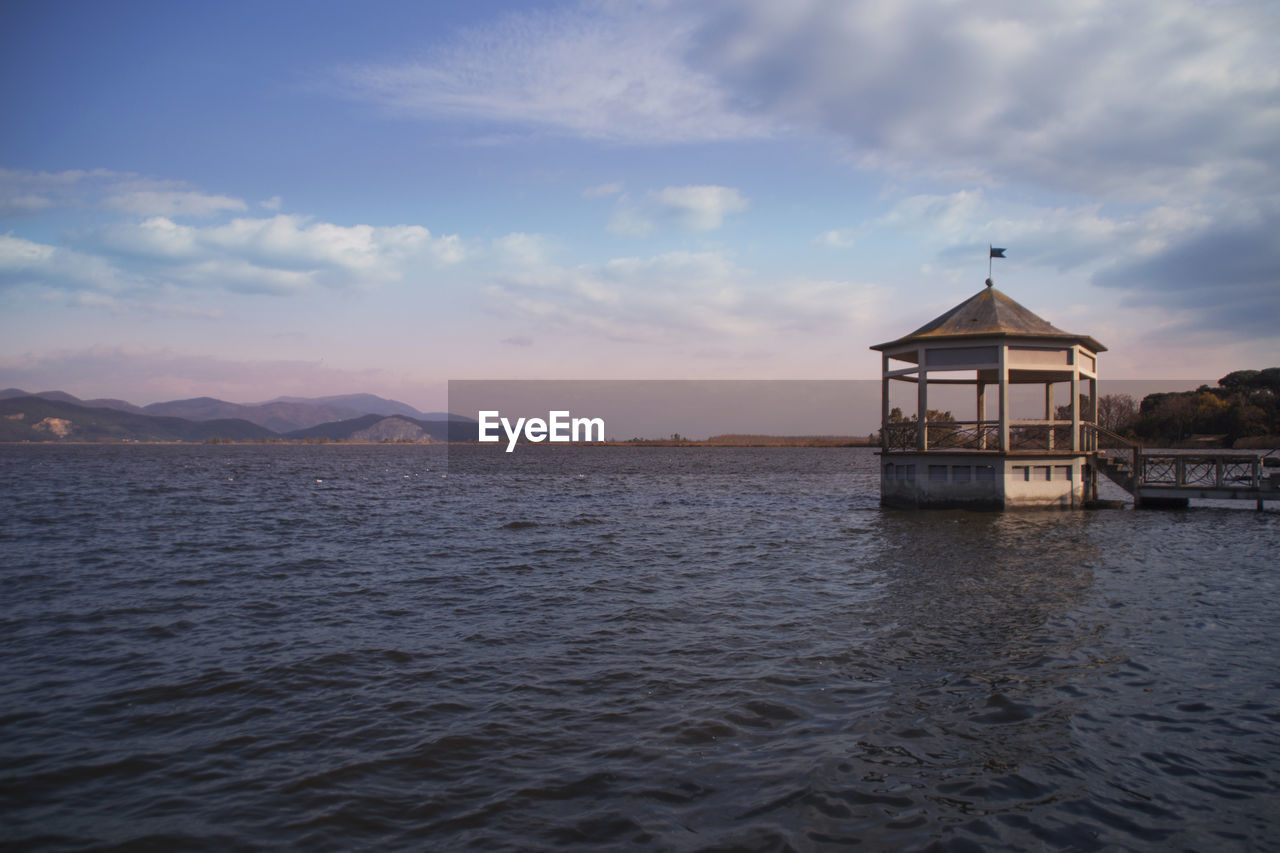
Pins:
<point x="781" y="441"/>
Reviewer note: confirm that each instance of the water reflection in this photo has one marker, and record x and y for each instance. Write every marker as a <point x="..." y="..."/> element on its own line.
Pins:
<point x="983" y="651"/>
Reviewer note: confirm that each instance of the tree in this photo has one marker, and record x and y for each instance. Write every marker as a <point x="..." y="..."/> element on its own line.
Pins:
<point x="1117" y="412"/>
<point x="1239" y="380"/>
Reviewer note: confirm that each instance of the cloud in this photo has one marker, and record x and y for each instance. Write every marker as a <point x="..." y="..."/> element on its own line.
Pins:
<point x="630" y="219"/>
<point x="676" y="298"/>
<point x="172" y="203"/>
<point x="1221" y="275"/>
<point x="1128" y="99"/>
<point x="1210" y="272"/>
<point x="26" y="262"/>
<point x="1146" y="120"/>
<point x="693" y="208"/>
<point x="615" y="75"/>
<point x="279" y="255"/>
<point x="837" y="238"/>
<point x="1134" y="99"/>
<point x="700" y="208"/>
<point x="958" y="227"/>
<point x="24" y="193"/>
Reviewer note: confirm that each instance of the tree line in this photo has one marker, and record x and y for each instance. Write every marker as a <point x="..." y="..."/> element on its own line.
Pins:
<point x="1244" y="404"/>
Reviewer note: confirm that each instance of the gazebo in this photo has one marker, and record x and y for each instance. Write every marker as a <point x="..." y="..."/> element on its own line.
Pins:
<point x="993" y="345"/>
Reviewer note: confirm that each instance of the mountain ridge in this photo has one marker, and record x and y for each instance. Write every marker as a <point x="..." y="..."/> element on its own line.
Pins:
<point x="50" y="417"/>
<point x="41" y="419"/>
<point x="281" y="415"/>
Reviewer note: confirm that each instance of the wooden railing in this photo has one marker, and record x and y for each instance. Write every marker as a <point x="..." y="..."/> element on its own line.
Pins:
<point x="1197" y="470"/>
<point x="1094" y="438"/>
<point x="977" y="435"/>
<point x="1040" y="435"/>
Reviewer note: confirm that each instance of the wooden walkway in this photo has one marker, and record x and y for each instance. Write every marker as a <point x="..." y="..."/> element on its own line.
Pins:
<point x="1170" y="478"/>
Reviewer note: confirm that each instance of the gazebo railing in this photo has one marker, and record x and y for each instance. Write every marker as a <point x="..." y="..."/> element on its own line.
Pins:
<point x="968" y="435"/>
<point x="1040" y="435"/>
<point x="898" y="436"/>
<point x="978" y="435"/>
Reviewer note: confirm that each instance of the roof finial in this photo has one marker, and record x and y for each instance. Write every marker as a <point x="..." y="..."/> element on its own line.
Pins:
<point x="990" y="283"/>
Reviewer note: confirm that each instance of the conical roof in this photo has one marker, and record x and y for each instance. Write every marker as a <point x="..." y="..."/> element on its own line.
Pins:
<point x="989" y="314"/>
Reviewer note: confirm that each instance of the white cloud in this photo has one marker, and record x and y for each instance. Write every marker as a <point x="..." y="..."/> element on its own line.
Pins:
<point x="959" y="226"/>
<point x="700" y="208"/>
<point x="677" y="298"/>
<point x="25" y="262"/>
<point x="837" y="238"/>
<point x="281" y="254"/>
<point x="1130" y="98"/>
<point x="24" y="192"/>
<point x="630" y="219"/>
<point x="1133" y="99"/>
<point x="292" y="242"/>
<point x="693" y="208"/>
<point x="172" y="203"/>
<point x="617" y="75"/>
<point x="18" y="254"/>
<point x="1208" y="270"/>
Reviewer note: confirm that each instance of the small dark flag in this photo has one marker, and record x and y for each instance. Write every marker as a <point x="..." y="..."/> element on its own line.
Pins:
<point x="996" y="253"/>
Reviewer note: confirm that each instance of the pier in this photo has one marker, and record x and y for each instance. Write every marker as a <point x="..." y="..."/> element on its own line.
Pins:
<point x="1171" y="478"/>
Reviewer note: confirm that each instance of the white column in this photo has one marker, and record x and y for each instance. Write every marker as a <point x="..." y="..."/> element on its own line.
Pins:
<point x="982" y="414"/>
<point x="1004" y="398"/>
<point x="884" y="401"/>
<point x="1075" y="403"/>
<point x="922" y="402"/>
<point x="1048" y="409"/>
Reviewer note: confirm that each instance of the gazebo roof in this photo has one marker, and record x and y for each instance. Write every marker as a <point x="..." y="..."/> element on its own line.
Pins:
<point x="990" y="314"/>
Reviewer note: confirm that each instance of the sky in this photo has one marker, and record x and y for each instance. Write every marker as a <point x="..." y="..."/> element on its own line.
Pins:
<point x="248" y="200"/>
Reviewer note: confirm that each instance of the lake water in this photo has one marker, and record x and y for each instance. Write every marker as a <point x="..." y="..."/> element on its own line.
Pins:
<point x="627" y="648"/>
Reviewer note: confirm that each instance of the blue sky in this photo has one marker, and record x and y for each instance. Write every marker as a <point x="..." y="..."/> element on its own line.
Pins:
<point x="248" y="200"/>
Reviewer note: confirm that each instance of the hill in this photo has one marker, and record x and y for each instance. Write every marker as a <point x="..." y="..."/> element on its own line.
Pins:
<point x="348" y="417"/>
<point x="280" y="416"/>
<point x="34" y="418"/>
<point x="64" y="397"/>
<point x="283" y="414"/>
<point x="364" y="404"/>
<point x="394" y="428"/>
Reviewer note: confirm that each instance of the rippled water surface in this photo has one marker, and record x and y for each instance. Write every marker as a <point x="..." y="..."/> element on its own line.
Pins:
<point x="636" y="648"/>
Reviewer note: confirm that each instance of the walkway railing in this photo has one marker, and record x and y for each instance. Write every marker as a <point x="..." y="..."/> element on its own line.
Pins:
<point x="1202" y="471"/>
<point x="1177" y="475"/>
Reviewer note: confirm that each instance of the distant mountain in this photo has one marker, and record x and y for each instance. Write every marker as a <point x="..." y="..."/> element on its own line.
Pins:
<point x="337" y="418"/>
<point x="35" y="418"/>
<point x="64" y="397"/>
<point x="365" y="404"/>
<point x="392" y="428"/>
<point x="280" y="416"/>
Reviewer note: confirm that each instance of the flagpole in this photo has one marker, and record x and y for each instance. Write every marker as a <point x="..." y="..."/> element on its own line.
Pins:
<point x="991" y="253"/>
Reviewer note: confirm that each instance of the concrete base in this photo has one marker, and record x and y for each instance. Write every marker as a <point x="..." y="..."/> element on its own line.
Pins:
<point x="949" y="480"/>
